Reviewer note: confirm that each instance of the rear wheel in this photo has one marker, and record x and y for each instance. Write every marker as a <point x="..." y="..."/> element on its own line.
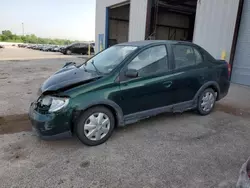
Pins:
<point x="95" y="126"/>
<point x="206" y="101"/>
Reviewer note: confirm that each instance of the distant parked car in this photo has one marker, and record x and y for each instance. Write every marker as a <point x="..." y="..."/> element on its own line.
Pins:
<point x="78" y="48"/>
<point x="22" y="45"/>
<point x="50" y="48"/>
<point x="46" y="48"/>
<point x="56" y="49"/>
<point x="62" y="48"/>
<point x="125" y="84"/>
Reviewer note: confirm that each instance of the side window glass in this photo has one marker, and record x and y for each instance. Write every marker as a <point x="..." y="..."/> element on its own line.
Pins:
<point x="198" y="56"/>
<point x="81" y="45"/>
<point x="184" y="56"/>
<point x="150" y="61"/>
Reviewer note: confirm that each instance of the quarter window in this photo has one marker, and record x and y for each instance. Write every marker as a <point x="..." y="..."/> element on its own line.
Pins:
<point x="150" y="61"/>
<point x="76" y="45"/>
<point x="198" y="56"/>
<point x="186" y="56"/>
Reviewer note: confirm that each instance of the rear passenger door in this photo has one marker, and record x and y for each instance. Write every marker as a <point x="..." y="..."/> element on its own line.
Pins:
<point x="75" y="48"/>
<point x="190" y="69"/>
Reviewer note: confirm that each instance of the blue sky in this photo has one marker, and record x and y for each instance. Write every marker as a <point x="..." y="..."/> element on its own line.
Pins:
<point x="69" y="19"/>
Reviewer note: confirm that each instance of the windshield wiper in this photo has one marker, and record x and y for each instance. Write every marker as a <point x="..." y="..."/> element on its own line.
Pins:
<point x="86" y="70"/>
<point x="92" y="62"/>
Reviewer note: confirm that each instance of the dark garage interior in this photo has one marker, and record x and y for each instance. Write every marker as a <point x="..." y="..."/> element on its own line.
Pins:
<point x="171" y="19"/>
<point x="118" y="23"/>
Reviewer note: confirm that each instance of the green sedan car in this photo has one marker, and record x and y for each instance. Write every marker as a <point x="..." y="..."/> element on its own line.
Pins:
<point x="127" y="83"/>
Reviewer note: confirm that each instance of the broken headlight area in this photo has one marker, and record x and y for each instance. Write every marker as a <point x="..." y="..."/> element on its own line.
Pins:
<point x="52" y="104"/>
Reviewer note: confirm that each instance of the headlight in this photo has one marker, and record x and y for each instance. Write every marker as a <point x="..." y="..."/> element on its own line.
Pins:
<point x="55" y="103"/>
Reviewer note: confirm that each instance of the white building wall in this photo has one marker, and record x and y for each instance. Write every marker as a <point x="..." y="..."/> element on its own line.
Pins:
<point x="137" y="24"/>
<point x="214" y="25"/>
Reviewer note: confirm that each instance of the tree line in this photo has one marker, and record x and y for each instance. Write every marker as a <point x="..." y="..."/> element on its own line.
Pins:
<point x="8" y="36"/>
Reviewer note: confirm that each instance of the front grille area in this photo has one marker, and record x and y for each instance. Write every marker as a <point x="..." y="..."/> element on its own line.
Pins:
<point x="38" y="126"/>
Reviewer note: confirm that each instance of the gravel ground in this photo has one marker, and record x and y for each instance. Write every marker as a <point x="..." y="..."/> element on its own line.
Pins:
<point x="21" y="79"/>
<point x="165" y="151"/>
<point x="169" y="150"/>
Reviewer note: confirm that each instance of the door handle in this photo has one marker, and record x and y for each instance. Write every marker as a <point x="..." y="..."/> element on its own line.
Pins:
<point x="168" y="84"/>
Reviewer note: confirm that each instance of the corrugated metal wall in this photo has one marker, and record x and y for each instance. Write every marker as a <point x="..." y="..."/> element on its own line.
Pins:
<point x="214" y="25"/>
<point x="241" y="66"/>
<point x="137" y="24"/>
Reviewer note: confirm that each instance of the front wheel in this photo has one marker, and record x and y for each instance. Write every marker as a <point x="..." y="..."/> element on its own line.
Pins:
<point x="68" y="52"/>
<point x="95" y="126"/>
<point x="206" y="101"/>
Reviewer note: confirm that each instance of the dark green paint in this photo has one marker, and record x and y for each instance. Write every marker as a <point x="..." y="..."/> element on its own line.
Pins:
<point x="129" y="96"/>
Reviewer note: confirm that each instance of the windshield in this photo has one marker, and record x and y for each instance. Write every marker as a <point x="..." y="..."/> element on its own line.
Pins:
<point x="107" y="60"/>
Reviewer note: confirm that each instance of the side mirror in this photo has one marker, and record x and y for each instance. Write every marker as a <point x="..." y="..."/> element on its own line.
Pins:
<point x="131" y="73"/>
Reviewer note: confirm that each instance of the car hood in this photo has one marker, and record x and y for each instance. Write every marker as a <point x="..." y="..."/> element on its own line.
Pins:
<point x="68" y="77"/>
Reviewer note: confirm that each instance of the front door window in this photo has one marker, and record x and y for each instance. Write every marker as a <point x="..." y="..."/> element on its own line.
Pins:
<point x="151" y="61"/>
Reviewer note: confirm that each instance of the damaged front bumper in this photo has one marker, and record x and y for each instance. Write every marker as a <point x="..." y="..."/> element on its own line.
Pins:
<point x="50" y="126"/>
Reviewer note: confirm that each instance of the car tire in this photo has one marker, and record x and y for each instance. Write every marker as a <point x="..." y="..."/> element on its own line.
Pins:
<point x="206" y="102"/>
<point x="68" y="52"/>
<point x="88" y="128"/>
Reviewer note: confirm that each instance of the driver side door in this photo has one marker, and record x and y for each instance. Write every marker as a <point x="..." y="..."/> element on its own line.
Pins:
<point x="151" y="89"/>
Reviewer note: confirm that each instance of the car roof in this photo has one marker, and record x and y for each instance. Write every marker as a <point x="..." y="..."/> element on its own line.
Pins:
<point x="149" y="42"/>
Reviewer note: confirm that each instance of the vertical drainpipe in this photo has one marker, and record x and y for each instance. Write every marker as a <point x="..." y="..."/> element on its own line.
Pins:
<point x="148" y="19"/>
<point x="107" y="28"/>
<point x="236" y="33"/>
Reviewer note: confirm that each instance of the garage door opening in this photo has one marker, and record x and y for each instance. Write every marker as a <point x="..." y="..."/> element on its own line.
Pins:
<point x="172" y="20"/>
<point x="118" y="24"/>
